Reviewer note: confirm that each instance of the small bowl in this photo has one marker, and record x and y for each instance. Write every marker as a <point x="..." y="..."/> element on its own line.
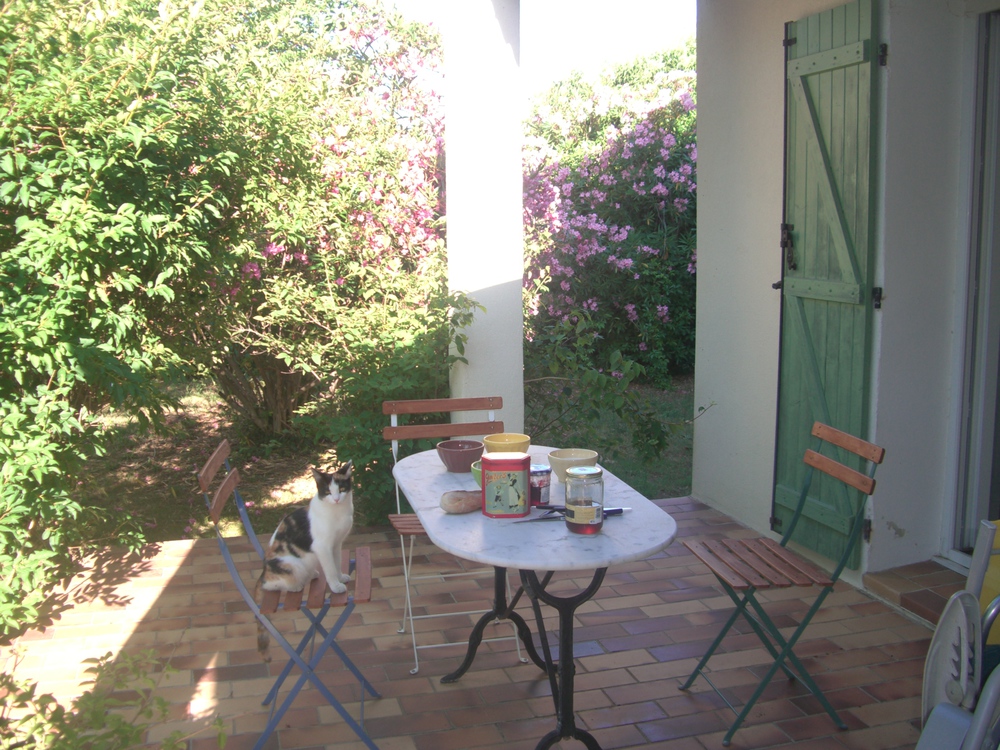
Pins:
<point x="477" y="472"/>
<point x="566" y="458"/>
<point x="507" y="442"/>
<point x="458" y="455"/>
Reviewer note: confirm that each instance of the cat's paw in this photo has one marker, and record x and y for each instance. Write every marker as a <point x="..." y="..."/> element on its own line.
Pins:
<point x="338" y="588"/>
<point x="344" y="578"/>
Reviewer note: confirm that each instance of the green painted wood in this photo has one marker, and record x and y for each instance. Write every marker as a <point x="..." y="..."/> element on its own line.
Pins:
<point x="835" y="291"/>
<point x="826" y="294"/>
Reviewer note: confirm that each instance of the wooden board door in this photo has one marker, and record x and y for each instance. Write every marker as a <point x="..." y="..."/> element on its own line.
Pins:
<point x="827" y="235"/>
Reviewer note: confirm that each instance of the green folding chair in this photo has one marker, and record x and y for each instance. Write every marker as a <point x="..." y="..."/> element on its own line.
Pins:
<point x="747" y="566"/>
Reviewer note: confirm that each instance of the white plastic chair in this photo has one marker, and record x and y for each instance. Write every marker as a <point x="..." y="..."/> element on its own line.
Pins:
<point x="956" y="713"/>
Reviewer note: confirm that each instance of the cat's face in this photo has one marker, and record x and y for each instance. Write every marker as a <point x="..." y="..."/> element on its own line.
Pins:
<point x="336" y="487"/>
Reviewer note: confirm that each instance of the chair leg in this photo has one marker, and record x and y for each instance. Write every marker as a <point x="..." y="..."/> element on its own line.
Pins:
<point x="770" y="637"/>
<point x="308" y="638"/>
<point x="310" y="635"/>
<point x="308" y="673"/>
<point x="788" y="654"/>
<point x="759" y="624"/>
<point x="715" y="644"/>
<point x="408" y="616"/>
<point x="407" y="555"/>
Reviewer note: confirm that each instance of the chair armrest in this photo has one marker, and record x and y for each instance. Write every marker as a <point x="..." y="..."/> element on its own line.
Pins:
<point x="982" y="724"/>
<point x="990" y="616"/>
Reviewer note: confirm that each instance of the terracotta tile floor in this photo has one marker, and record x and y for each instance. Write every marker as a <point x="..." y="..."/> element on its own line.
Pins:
<point x="921" y="588"/>
<point x="639" y="635"/>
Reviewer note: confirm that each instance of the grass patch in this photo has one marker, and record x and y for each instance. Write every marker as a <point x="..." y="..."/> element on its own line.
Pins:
<point x="670" y="474"/>
<point x="147" y="481"/>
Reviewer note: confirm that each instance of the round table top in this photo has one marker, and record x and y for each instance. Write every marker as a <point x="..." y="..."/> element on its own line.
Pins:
<point x="639" y="532"/>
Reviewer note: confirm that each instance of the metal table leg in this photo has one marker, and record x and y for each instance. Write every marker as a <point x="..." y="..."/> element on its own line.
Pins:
<point x="501" y="611"/>
<point x="561" y="674"/>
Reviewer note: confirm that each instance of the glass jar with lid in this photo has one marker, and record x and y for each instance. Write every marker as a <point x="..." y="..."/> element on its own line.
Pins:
<point x="584" y="499"/>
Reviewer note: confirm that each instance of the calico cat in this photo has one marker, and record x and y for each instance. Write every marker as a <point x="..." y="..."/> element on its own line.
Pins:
<point x="308" y="542"/>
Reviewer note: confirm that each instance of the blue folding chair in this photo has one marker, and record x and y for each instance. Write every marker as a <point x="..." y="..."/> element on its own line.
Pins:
<point x="746" y="566"/>
<point x="315" y="603"/>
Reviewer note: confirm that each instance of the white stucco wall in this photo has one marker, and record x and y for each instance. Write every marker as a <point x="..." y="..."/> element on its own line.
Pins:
<point x="740" y="100"/>
<point x="483" y="174"/>
<point x="922" y="246"/>
<point x="924" y="238"/>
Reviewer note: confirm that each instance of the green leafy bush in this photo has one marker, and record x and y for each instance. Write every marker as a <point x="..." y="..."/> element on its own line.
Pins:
<point x="245" y="188"/>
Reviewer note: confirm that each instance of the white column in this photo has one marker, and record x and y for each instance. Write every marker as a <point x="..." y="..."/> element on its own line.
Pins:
<point x="483" y="182"/>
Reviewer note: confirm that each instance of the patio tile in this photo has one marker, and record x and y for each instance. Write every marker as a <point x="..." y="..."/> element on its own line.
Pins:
<point x="635" y="642"/>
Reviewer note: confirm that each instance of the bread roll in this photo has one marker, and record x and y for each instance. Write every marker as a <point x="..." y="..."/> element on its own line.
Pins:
<point x="461" y="501"/>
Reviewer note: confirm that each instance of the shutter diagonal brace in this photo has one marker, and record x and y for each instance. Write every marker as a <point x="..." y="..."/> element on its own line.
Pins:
<point x="853" y="54"/>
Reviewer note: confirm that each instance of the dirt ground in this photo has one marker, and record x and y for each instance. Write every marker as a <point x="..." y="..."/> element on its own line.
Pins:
<point x="148" y="480"/>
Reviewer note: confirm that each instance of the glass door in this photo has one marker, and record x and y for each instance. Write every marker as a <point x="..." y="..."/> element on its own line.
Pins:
<point x="979" y="489"/>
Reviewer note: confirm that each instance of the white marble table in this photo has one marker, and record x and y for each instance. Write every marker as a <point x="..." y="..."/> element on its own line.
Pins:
<point x="546" y="545"/>
<point x="549" y="546"/>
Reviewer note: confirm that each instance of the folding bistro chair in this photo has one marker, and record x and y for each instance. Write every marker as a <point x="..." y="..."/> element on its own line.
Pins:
<point x="407" y="524"/>
<point x="746" y="566"/>
<point x="315" y="603"/>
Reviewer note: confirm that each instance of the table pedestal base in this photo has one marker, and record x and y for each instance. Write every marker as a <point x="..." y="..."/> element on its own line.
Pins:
<point x="561" y="675"/>
<point x="501" y="611"/>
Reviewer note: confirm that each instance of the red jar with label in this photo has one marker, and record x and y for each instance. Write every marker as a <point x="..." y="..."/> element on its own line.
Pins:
<point x="541" y="480"/>
<point x="506" y="488"/>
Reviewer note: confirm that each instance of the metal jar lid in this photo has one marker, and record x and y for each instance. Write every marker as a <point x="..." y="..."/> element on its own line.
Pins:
<point x="541" y="469"/>
<point x="584" y="472"/>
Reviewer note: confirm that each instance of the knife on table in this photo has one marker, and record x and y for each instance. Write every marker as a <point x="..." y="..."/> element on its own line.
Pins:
<point x="557" y="513"/>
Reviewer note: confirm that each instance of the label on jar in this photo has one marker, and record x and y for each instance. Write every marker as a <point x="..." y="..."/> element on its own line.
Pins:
<point x="541" y="478"/>
<point x="588" y="514"/>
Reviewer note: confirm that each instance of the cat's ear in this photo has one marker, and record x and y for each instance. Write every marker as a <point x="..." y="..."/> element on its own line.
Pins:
<point x="322" y="482"/>
<point x="346" y="469"/>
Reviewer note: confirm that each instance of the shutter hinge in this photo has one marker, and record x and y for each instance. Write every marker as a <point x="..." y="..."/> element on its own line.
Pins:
<point x="877" y="297"/>
<point x="787" y="245"/>
<point x="866" y="530"/>
<point x="775" y="523"/>
<point x="883" y="54"/>
<point x="788" y="42"/>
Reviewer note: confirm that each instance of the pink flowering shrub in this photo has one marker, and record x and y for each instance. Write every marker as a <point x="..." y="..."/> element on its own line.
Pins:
<point x="609" y="210"/>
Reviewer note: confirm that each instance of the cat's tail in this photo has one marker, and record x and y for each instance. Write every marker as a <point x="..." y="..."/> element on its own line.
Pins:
<point x="263" y="637"/>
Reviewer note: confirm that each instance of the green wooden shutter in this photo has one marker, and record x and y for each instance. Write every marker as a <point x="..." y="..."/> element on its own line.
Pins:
<point x="826" y="282"/>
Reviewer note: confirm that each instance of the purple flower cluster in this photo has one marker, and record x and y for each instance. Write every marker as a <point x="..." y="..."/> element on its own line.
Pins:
<point x="609" y="217"/>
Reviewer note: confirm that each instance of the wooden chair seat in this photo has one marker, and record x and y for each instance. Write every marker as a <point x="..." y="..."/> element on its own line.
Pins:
<point x="757" y="563"/>
<point x="406" y="524"/>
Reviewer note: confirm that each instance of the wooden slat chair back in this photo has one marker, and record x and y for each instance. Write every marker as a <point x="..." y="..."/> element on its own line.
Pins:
<point x="407" y="525"/>
<point x="315" y="602"/>
<point x="747" y="566"/>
